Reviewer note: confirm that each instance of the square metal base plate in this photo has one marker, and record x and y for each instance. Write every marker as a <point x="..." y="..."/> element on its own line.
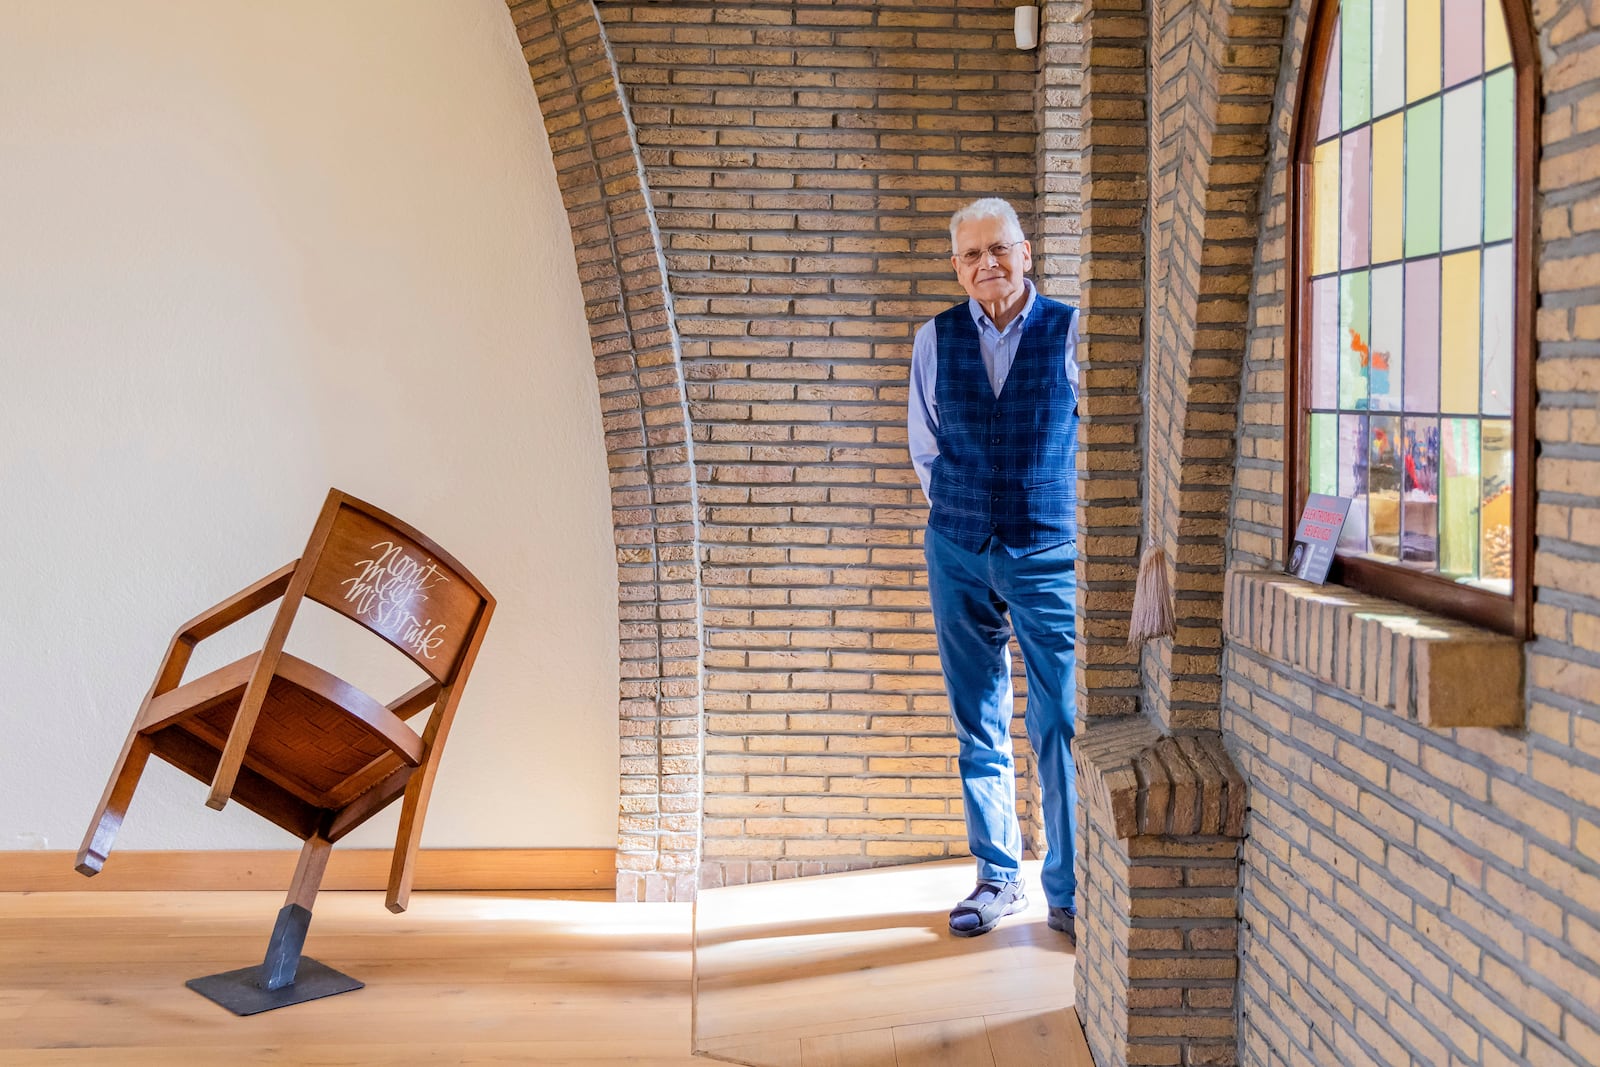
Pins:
<point x="241" y="992"/>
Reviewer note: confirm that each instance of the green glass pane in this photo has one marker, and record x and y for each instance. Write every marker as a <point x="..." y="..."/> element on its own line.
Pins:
<point x="1356" y="44"/>
<point x="1495" y="516"/>
<point x="1355" y="312"/>
<point x="1423" y="145"/>
<point x="1499" y="155"/>
<point x="1458" y="499"/>
<point x="1325" y="454"/>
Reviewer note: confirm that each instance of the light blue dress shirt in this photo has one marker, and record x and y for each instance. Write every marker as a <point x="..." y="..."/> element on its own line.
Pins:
<point x="999" y="349"/>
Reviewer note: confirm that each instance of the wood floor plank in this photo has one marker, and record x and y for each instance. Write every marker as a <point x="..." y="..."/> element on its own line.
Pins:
<point x="1047" y="1039"/>
<point x="954" y="1043"/>
<point x="865" y="1048"/>
<point x="776" y="1053"/>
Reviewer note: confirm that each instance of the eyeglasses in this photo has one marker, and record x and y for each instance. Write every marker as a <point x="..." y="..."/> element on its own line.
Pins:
<point x="998" y="251"/>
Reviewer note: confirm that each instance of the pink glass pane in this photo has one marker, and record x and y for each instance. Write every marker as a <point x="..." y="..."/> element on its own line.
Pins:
<point x="1328" y="111"/>
<point x="1325" y="343"/>
<point x="1419" y="493"/>
<point x="1422" y="336"/>
<point x="1463" y="40"/>
<point x="1355" y="205"/>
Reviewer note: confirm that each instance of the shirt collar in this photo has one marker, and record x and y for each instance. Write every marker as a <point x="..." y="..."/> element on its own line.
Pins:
<point x="983" y="322"/>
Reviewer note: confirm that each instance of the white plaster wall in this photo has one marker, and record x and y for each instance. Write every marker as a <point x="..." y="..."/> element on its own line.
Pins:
<point x="249" y="251"/>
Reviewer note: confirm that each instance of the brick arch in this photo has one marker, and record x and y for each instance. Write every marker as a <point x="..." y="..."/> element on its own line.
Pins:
<point x="648" y="446"/>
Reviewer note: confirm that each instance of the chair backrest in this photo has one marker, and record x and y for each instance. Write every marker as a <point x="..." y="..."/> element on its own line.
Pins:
<point x="387" y="576"/>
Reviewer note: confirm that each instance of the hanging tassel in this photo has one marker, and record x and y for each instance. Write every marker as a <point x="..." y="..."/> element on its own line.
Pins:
<point x="1152" y="600"/>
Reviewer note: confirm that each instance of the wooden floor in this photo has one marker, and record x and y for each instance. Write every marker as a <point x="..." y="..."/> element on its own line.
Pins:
<point x="844" y="971"/>
<point x="97" y="978"/>
<point x="859" y="970"/>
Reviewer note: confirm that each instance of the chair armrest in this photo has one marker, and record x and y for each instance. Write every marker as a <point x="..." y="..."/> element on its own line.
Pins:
<point x="238" y="606"/>
<point x="424" y="696"/>
<point x="213" y="619"/>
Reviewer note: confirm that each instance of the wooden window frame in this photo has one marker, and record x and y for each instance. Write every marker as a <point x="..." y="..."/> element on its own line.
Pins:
<point x="1432" y="592"/>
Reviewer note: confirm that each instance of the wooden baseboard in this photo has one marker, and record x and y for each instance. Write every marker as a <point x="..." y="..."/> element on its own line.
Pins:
<point x="271" y="870"/>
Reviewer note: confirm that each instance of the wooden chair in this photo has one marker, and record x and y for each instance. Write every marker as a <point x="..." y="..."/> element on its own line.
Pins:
<point x="299" y="746"/>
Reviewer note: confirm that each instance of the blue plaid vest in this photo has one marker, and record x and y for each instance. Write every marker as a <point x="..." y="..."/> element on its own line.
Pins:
<point x="1007" y="465"/>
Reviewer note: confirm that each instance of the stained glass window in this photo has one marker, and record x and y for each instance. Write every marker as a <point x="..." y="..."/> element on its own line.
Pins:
<point x="1410" y="320"/>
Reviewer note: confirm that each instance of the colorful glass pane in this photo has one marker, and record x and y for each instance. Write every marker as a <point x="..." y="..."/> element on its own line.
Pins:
<point x="1412" y="297"/>
<point x="1423" y="143"/>
<point x="1353" y="480"/>
<point x="1458" y="336"/>
<point x="1383" y="486"/>
<point x="1422" y="48"/>
<point x="1325" y="454"/>
<point x="1354" y="331"/>
<point x="1419" y="492"/>
<point x="1422" y="335"/>
<point x="1499" y="155"/>
<point x="1496" y="41"/>
<point x="1355" y="223"/>
<point x="1325" y="343"/>
<point x="1325" y="209"/>
<point x="1463" y="166"/>
<point x="1463" y="40"/>
<point x="1499" y="351"/>
<point x="1385" y="367"/>
<point x="1388" y="57"/>
<point x="1494" y="516"/>
<point x="1355" y="18"/>
<point x="1328" y="113"/>
<point x="1458" y="498"/>
<point x="1388" y="188"/>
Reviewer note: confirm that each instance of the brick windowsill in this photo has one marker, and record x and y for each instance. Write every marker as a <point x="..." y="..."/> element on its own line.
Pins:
<point x="1431" y="670"/>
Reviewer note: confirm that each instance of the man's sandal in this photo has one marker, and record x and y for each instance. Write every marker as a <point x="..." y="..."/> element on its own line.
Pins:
<point x="985" y="906"/>
<point x="1064" y="920"/>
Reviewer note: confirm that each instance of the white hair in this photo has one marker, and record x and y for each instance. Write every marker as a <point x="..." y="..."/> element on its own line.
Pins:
<point x="990" y="207"/>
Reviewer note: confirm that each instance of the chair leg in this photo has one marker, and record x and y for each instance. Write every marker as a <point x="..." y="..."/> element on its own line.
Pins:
<point x="282" y="961"/>
<point x="113" y="804"/>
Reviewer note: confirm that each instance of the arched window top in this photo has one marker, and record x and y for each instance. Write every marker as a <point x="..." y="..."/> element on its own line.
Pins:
<point x="1411" y="390"/>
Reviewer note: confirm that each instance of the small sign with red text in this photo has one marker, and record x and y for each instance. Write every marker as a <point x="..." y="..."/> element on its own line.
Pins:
<point x="1315" y="538"/>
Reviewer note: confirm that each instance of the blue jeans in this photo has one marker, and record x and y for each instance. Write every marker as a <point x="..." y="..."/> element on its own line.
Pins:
<point x="972" y="594"/>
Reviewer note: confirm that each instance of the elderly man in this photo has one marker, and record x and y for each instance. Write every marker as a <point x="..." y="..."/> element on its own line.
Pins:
<point x="993" y="427"/>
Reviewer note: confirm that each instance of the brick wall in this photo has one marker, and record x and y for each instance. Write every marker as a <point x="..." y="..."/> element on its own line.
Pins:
<point x="803" y="160"/>
<point x="1414" y="895"/>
